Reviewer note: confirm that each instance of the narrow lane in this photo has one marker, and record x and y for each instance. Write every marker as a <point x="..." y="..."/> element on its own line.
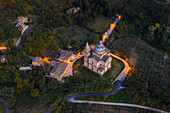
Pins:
<point x="24" y="28"/>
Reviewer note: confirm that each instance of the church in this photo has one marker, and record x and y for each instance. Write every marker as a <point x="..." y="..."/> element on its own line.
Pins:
<point x="98" y="58"/>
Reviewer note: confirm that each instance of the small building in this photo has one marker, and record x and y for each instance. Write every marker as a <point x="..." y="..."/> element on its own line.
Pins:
<point x="97" y="59"/>
<point x="73" y="10"/>
<point x="21" y="21"/>
<point x="3" y="59"/>
<point x="3" y="46"/>
<point x="37" y="61"/>
<point x="25" y="68"/>
<point x="58" y="71"/>
<point x="65" y="56"/>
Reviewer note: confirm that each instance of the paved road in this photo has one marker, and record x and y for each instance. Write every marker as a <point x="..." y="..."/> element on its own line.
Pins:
<point x="161" y="2"/>
<point x="120" y="104"/>
<point x="23" y="30"/>
<point x="6" y="105"/>
<point x="124" y="72"/>
<point x="116" y="88"/>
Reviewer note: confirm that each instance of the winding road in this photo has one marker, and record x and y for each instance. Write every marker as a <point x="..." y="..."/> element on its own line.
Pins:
<point x="121" y="104"/>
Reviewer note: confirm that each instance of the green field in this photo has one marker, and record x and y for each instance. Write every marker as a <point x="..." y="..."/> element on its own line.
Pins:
<point x="100" y="23"/>
<point x="85" y="73"/>
<point x="78" y="35"/>
<point x="74" y="36"/>
<point x="2" y="108"/>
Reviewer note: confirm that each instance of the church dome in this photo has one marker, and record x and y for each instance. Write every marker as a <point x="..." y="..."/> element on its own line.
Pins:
<point x="100" y="46"/>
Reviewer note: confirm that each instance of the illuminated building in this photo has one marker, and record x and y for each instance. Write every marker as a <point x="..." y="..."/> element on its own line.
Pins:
<point x="97" y="59"/>
<point x="65" y="56"/>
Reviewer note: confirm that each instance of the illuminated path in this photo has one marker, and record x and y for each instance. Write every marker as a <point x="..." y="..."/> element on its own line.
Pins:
<point x="124" y="72"/>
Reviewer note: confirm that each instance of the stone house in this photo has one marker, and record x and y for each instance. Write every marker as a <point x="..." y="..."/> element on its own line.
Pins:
<point x="58" y="71"/>
<point x="37" y="61"/>
<point x="65" y="56"/>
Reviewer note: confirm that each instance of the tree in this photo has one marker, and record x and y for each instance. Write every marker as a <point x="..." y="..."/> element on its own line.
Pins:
<point x="34" y="93"/>
<point x="18" y="80"/>
<point x="61" y="30"/>
<point x="96" y="39"/>
<point x="141" y="15"/>
<point x="55" y="47"/>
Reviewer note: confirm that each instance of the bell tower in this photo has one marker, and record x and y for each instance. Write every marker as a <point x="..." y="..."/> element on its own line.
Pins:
<point x="86" y="54"/>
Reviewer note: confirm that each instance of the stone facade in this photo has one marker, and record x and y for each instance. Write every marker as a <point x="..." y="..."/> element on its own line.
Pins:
<point x="97" y="59"/>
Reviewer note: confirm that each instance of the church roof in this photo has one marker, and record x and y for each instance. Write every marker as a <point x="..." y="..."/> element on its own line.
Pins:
<point x="100" y="46"/>
<point x="96" y="58"/>
<point x="105" y="57"/>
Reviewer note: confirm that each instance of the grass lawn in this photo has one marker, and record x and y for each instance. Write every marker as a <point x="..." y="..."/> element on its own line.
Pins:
<point x="2" y="108"/>
<point x="100" y="23"/>
<point x="85" y="73"/>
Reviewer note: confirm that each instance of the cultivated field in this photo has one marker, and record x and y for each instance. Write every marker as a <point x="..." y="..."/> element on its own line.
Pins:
<point x="77" y="35"/>
<point x="150" y="65"/>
